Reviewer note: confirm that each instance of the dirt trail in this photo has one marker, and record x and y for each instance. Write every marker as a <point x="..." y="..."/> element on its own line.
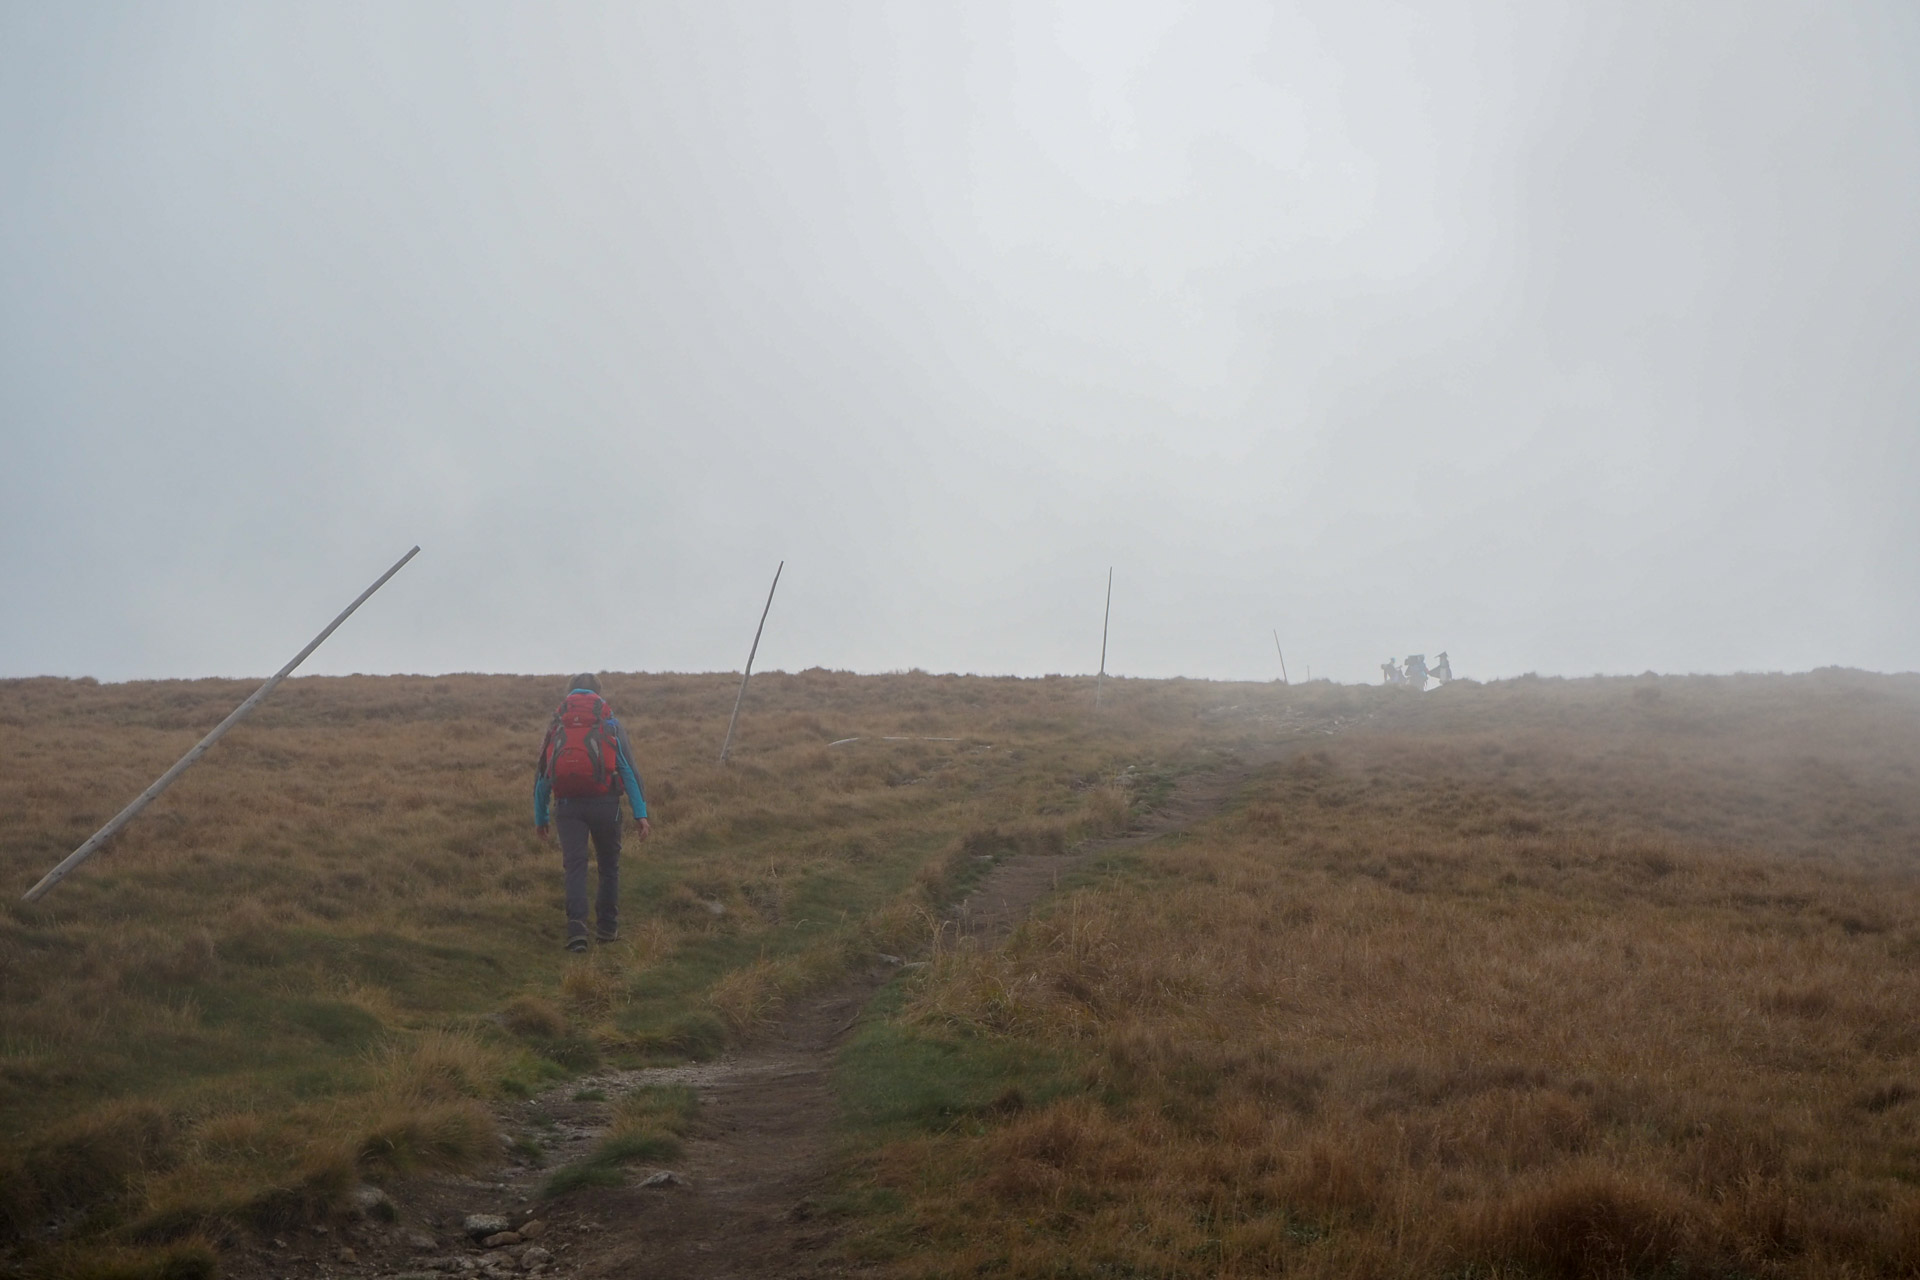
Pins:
<point x="741" y="1200"/>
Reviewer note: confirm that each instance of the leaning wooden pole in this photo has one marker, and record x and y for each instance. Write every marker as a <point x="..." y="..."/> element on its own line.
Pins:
<point x="145" y="798"/>
<point x="1105" y="618"/>
<point x="746" y="675"/>
<point x="1283" y="656"/>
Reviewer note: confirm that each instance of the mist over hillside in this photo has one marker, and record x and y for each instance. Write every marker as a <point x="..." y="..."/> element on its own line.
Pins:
<point x="1567" y="340"/>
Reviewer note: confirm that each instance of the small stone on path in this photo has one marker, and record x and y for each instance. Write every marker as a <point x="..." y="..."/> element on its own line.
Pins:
<point x="370" y="1201"/>
<point x="501" y="1239"/>
<point x="664" y="1178"/>
<point x="482" y="1225"/>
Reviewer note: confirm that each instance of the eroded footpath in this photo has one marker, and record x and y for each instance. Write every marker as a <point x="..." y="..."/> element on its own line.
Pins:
<point x="742" y="1199"/>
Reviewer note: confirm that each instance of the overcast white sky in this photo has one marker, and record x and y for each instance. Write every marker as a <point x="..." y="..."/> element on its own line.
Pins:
<point x="1564" y="338"/>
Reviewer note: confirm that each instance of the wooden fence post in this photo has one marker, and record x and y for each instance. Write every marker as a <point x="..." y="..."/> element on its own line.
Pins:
<point x="1105" y="618"/>
<point x="727" y="746"/>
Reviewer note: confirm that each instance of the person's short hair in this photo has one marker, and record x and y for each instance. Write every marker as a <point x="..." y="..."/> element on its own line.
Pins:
<point x="585" y="680"/>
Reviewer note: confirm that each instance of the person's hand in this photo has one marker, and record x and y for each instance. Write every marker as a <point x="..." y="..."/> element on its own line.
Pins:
<point x="545" y="833"/>
<point x="646" y="828"/>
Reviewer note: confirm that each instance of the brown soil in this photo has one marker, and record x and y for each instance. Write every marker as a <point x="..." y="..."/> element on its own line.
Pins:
<point x="742" y="1199"/>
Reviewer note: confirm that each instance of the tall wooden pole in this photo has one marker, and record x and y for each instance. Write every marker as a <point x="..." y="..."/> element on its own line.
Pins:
<point x="1107" y="617"/>
<point x="1283" y="657"/>
<point x="746" y="675"/>
<point x="238" y="714"/>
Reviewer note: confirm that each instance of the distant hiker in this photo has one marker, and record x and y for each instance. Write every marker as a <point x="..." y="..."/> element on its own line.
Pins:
<point x="1442" y="669"/>
<point x="1390" y="673"/>
<point x="585" y="763"/>
<point x="1417" y="670"/>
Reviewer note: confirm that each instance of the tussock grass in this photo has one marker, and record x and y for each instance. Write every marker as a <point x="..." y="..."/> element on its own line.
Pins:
<point x="182" y="1260"/>
<point x="648" y="1124"/>
<point x="1513" y="984"/>
<point x="333" y="945"/>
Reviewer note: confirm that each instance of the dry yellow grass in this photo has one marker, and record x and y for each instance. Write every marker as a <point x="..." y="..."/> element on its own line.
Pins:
<point x="336" y="940"/>
<point x="1598" y="978"/>
<point x="1541" y="978"/>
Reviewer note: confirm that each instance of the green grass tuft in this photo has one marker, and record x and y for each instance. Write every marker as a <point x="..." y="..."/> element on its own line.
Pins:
<point x="648" y="1125"/>
<point x="897" y="1076"/>
<point x="447" y="1135"/>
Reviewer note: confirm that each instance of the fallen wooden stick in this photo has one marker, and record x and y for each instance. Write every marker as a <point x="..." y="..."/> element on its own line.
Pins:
<point x="239" y="713"/>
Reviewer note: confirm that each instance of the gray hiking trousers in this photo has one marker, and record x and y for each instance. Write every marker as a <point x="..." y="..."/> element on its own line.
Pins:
<point x="576" y="820"/>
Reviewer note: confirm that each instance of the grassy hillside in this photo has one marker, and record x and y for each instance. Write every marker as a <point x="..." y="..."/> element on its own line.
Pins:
<point x="1544" y="978"/>
<point x="1605" y="977"/>
<point x="323" y="953"/>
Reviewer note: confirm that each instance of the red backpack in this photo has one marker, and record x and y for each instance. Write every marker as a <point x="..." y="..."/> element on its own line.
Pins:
<point x="581" y="758"/>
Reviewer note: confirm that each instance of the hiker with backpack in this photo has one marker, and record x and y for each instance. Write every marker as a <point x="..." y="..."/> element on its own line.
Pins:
<point x="585" y="763"/>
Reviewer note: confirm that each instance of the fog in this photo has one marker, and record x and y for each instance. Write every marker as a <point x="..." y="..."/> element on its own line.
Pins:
<point x="1566" y="339"/>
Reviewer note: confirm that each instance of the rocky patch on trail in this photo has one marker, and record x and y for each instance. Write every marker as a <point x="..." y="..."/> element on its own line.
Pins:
<point x="436" y="1227"/>
<point x="438" y="1247"/>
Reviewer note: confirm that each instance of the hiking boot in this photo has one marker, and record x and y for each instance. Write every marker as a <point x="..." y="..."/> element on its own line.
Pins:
<point x="578" y="945"/>
<point x="607" y="937"/>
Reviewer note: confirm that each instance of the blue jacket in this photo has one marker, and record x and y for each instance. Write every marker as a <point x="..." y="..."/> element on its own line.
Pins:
<point x="631" y="779"/>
